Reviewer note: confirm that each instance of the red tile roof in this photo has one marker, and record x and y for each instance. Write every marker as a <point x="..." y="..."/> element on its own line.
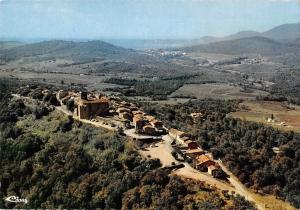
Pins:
<point x="202" y="159"/>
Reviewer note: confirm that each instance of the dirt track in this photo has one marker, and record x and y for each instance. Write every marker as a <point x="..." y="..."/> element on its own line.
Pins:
<point x="162" y="151"/>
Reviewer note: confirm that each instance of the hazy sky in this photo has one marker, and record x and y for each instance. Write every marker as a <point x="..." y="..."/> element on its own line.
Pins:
<point x="145" y="19"/>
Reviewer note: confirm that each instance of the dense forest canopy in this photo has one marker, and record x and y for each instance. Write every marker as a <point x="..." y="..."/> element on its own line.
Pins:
<point x="57" y="162"/>
<point x="245" y="147"/>
<point x="156" y="89"/>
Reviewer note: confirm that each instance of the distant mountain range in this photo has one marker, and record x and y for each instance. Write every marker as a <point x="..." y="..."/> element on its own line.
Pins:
<point x="101" y="54"/>
<point x="76" y="51"/>
<point x="282" y="33"/>
<point x="250" y="45"/>
<point x="141" y="44"/>
<point x="62" y="49"/>
<point x="279" y="40"/>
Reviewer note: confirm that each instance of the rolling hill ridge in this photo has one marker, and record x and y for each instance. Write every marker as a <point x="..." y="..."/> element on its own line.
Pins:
<point x="283" y="33"/>
<point x="250" y="45"/>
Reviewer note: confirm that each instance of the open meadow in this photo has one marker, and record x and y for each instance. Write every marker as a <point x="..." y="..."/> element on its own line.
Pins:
<point x="285" y="117"/>
<point x="216" y="90"/>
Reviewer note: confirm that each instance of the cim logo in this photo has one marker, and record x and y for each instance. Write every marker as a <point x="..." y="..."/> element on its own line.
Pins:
<point x="16" y="199"/>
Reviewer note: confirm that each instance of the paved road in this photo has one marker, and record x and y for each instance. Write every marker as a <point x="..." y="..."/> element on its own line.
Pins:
<point x="163" y="151"/>
<point x="192" y="173"/>
<point x="239" y="187"/>
<point x="233" y="186"/>
<point x="96" y="124"/>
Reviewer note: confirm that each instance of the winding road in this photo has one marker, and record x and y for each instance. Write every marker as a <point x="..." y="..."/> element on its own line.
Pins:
<point x="162" y="151"/>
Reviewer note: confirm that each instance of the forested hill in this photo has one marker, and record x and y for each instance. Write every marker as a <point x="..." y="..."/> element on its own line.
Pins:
<point x="55" y="163"/>
<point x="98" y="54"/>
<point x="282" y="33"/>
<point x="250" y="45"/>
<point x="68" y="49"/>
<point x="246" y="148"/>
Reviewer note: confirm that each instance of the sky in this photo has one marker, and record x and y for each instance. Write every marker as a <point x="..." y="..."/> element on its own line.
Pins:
<point x="140" y="19"/>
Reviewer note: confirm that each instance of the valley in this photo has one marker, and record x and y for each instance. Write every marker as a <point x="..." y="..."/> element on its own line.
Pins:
<point x="210" y="123"/>
<point x="151" y="146"/>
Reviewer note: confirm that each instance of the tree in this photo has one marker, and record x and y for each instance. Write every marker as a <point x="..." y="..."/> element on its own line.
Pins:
<point x="70" y="105"/>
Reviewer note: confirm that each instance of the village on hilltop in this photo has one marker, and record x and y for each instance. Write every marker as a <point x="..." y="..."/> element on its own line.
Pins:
<point x="126" y="117"/>
<point x="91" y="105"/>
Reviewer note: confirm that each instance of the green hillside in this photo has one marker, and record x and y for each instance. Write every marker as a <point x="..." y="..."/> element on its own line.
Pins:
<point x="252" y="45"/>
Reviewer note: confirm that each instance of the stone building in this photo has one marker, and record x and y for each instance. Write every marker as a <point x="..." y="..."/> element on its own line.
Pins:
<point x="179" y="135"/>
<point x="212" y="170"/>
<point x="193" y="153"/>
<point x="139" y="122"/>
<point x="202" y="163"/>
<point x="191" y="144"/>
<point x="149" y="130"/>
<point x="88" y="108"/>
<point x="157" y="123"/>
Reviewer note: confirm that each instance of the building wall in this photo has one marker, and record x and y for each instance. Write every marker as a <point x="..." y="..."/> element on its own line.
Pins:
<point x="157" y="124"/>
<point x="91" y="110"/>
<point x="192" y="145"/>
<point x="83" y="112"/>
<point x="61" y="94"/>
<point x="181" y="139"/>
<point x="126" y="115"/>
<point x="140" y="124"/>
<point x="194" y="155"/>
<point x="212" y="171"/>
<point x="149" y="131"/>
<point x="203" y="166"/>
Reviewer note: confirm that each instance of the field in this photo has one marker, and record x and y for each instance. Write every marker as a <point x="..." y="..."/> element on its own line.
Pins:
<point x="91" y="82"/>
<point x="215" y="90"/>
<point x="286" y="118"/>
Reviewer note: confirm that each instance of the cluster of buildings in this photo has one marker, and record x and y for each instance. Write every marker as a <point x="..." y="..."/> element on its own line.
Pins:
<point x="143" y="123"/>
<point x="147" y="124"/>
<point x="86" y="105"/>
<point x="91" y="105"/>
<point x="190" y="149"/>
<point x="256" y="60"/>
<point x="171" y="54"/>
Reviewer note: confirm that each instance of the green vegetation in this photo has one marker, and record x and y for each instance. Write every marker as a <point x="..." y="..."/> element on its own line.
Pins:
<point x="283" y="115"/>
<point x="56" y="162"/>
<point x="93" y="56"/>
<point x="286" y="90"/>
<point x="121" y="81"/>
<point x="245" y="147"/>
<point x="159" y="88"/>
<point x="286" y="86"/>
<point x="248" y="45"/>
